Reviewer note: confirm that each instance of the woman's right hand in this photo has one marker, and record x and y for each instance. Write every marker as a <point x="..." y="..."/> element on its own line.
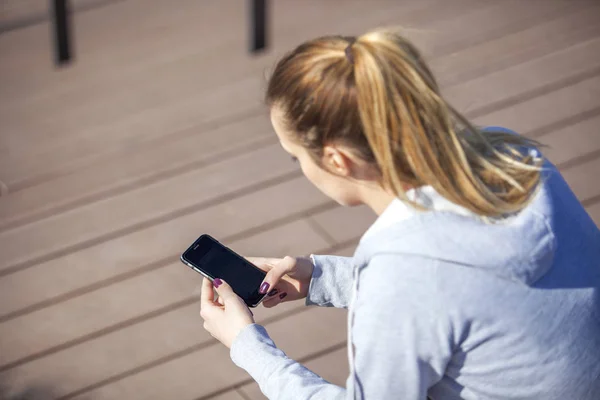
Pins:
<point x="287" y="278"/>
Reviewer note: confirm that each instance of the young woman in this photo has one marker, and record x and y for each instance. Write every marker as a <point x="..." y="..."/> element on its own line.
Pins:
<point x="479" y="280"/>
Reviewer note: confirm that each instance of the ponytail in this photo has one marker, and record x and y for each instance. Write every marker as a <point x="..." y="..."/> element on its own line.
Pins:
<point x="376" y="94"/>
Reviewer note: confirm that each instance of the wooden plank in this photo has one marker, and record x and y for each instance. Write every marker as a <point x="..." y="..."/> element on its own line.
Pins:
<point x="158" y="242"/>
<point x="39" y="200"/>
<point x="496" y="88"/>
<point x="581" y="179"/>
<point x="520" y="46"/>
<point x="45" y="163"/>
<point x="170" y="284"/>
<point x="101" y="177"/>
<point x="572" y="142"/>
<point x="159" y="26"/>
<point x="140" y="208"/>
<point x="170" y="82"/>
<point x="97" y="266"/>
<point x="39" y="390"/>
<point x="175" y="330"/>
<point x="291" y="22"/>
<point x="539" y="112"/>
<point x="142" y="34"/>
<point x="524" y="13"/>
<point x="549" y="63"/>
<point x="346" y="249"/>
<point x="115" y="352"/>
<point x="39" y="110"/>
<point x="332" y="366"/>
<point x="191" y="377"/>
<point x="152" y="342"/>
<point x="108" y="135"/>
<point x="345" y="223"/>
<point x="594" y="212"/>
<point x="146" y="164"/>
<point x="230" y="395"/>
<point x="18" y="9"/>
<point x="479" y="23"/>
<point x="15" y="11"/>
<point x="138" y="102"/>
<point x="93" y="176"/>
<point x="138" y="109"/>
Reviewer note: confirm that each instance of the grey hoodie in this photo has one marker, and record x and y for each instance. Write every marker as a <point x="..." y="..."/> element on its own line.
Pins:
<point x="446" y="305"/>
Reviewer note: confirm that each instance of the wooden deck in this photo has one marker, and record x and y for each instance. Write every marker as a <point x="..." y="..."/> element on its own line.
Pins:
<point x="157" y="133"/>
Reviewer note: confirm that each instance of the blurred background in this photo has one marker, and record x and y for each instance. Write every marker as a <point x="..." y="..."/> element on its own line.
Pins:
<point x="155" y="132"/>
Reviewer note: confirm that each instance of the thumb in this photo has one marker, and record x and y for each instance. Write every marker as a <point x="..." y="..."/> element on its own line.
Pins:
<point x="223" y="289"/>
<point x="273" y="277"/>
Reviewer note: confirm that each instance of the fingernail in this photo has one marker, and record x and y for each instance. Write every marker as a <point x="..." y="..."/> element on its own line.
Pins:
<point x="273" y="292"/>
<point x="282" y="295"/>
<point x="217" y="282"/>
<point x="264" y="288"/>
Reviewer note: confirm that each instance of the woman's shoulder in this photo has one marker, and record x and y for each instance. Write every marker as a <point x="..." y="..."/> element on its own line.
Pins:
<point x="393" y="276"/>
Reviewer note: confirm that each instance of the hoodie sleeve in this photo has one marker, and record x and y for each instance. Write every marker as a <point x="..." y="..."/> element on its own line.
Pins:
<point x="331" y="282"/>
<point x="278" y="376"/>
<point x="401" y="341"/>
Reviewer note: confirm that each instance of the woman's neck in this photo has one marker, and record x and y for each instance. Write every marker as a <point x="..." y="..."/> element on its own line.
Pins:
<point x="377" y="199"/>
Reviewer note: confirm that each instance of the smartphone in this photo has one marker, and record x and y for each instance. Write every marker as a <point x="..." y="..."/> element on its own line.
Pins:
<point x="214" y="260"/>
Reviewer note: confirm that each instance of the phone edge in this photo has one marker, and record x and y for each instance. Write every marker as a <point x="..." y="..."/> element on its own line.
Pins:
<point x="185" y="262"/>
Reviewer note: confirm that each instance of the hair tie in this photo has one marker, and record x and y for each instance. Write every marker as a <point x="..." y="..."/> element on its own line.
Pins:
<point x="348" y="51"/>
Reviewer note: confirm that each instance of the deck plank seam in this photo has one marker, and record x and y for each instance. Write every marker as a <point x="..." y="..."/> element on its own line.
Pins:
<point x="114" y="191"/>
<point x="162" y="263"/>
<point x="54" y="254"/>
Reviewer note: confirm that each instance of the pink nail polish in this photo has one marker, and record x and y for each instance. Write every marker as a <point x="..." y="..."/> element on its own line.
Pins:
<point x="217" y="282"/>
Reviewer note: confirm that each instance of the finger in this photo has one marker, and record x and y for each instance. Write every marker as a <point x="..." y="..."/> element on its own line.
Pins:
<point x="270" y="303"/>
<point x="273" y="277"/>
<point x="270" y="297"/>
<point x="272" y="294"/>
<point x="207" y="295"/>
<point x="220" y="301"/>
<point x="229" y="299"/>
<point x="224" y="291"/>
<point x="275" y="300"/>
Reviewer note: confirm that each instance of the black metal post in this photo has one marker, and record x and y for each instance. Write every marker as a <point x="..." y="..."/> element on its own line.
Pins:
<point x="62" y="37"/>
<point x="258" y="25"/>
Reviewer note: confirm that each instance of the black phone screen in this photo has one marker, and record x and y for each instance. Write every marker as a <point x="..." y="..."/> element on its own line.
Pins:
<point x="217" y="261"/>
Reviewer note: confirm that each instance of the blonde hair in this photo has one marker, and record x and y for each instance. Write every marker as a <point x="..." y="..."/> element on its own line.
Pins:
<point x="375" y="94"/>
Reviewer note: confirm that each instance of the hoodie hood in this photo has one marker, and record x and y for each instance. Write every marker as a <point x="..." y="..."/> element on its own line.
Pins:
<point x="519" y="248"/>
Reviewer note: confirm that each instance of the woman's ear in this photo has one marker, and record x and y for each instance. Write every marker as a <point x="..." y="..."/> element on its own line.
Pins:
<point x="337" y="161"/>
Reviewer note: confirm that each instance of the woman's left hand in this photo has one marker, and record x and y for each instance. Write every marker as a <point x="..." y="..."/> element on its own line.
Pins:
<point x="225" y="317"/>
